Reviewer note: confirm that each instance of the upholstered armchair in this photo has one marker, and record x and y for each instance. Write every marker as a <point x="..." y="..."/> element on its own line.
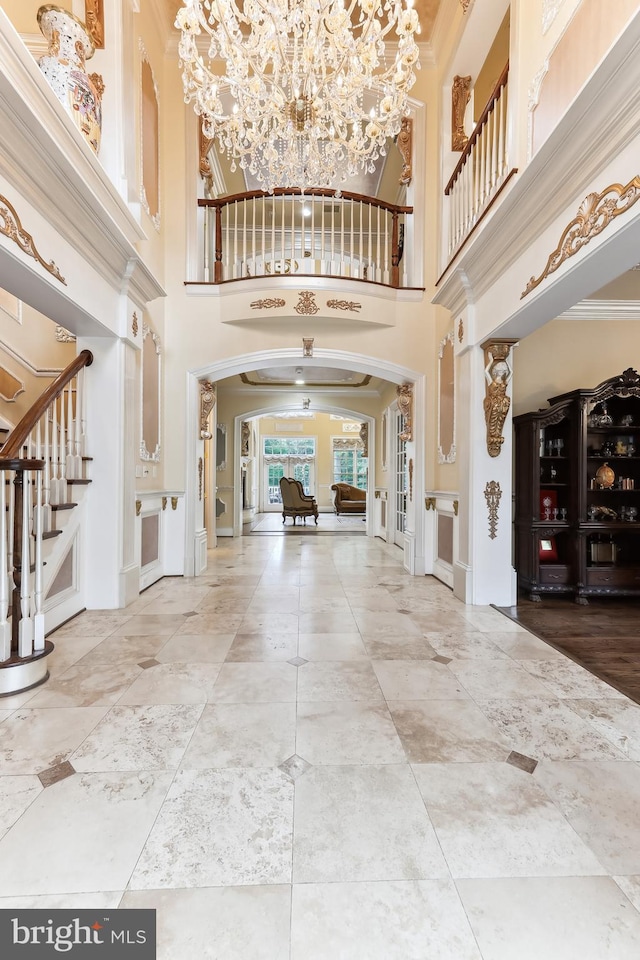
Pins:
<point x="295" y="502"/>
<point x="349" y="499"/>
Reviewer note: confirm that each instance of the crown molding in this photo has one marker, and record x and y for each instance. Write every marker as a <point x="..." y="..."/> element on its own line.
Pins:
<point x="603" y="310"/>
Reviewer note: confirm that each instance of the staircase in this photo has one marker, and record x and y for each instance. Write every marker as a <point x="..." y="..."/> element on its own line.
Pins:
<point x="43" y="473"/>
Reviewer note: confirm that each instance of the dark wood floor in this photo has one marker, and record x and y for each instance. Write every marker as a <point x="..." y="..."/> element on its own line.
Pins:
<point x="604" y="636"/>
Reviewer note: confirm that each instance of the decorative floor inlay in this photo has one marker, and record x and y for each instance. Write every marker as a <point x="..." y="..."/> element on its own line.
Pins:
<point x="528" y="764"/>
<point x="295" y="766"/>
<point x="60" y="771"/>
<point x="145" y="664"/>
<point x="297" y="661"/>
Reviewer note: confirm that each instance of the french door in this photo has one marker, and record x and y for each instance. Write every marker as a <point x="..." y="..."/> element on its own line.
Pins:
<point x="302" y="469"/>
<point x="400" y="476"/>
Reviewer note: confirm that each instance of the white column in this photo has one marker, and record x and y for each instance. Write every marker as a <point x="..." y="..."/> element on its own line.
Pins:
<point x="483" y="572"/>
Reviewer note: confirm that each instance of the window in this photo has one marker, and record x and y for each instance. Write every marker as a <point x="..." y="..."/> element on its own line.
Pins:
<point x="349" y="464"/>
<point x="290" y="446"/>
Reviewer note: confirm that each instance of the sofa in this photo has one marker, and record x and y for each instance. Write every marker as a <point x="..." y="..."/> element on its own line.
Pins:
<point x="349" y="499"/>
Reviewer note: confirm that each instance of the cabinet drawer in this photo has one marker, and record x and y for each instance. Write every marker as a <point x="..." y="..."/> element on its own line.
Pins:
<point x="553" y="573"/>
<point x="613" y="577"/>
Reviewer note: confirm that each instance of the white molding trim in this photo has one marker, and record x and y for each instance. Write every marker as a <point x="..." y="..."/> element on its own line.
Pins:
<point x="603" y="310"/>
<point x="33" y="370"/>
<point x="550" y="10"/>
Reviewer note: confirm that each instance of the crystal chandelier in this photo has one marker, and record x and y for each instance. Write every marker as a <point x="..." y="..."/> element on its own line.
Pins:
<point x="314" y="99"/>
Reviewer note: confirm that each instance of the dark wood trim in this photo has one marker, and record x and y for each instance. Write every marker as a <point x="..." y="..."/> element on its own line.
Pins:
<point x="278" y="276"/>
<point x="16" y="439"/>
<point x="511" y="173"/>
<point x="477" y="129"/>
<point x="296" y="192"/>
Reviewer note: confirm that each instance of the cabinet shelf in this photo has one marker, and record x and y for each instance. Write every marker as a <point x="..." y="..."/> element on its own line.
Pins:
<point x="564" y="564"/>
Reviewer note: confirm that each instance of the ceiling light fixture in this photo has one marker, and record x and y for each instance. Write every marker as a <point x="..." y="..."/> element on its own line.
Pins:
<point x="315" y="97"/>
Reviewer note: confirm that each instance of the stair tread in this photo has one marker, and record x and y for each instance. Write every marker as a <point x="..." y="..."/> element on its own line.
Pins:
<point x="50" y="534"/>
<point x="79" y="480"/>
<point x="63" y="506"/>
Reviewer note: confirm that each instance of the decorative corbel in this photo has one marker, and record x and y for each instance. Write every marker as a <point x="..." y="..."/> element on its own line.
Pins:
<point x="94" y="21"/>
<point x="138" y="507"/>
<point x="456" y="507"/>
<point x="404" y="143"/>
<point x="429" y="503"/>
<point x="364" y="436"/>
<point x="460" y="96"/>
<point x="204" y="145"/>
<point x="207" y="400"/>
<point x="164" y="503"/>
<point x="174" y="503"/>
<point x="307" y="346"/>
<point x="405" y="405"/>
<point x="496" y="403"/>
<point x="245" y="437"/>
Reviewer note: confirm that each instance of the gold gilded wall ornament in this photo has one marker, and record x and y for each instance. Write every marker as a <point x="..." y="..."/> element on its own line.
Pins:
<point x="134" y="324"/>
<point x="492" y="494"/>
<point x="268" y="303"/>
<point x="405" y="405"/>
<point x="11" y="227"/>
<point x="307" y="346"/>
<point x="404" y="143"/>
<point x="164" y="503"/>
<point x="364" y="436"/>
<point x="456" y="507"/>
<point x="465" y="5"/>
<point x="460" y="330"/>
<point x="596" y="212"/>
<point x="207" y="400"/>
<point x="307" y="305"/>
<point x="496" y="403"/>
<point x="94" y="20"/>
<point x="138" y="507"/>
<point x="430" y="503"/>
<point x="204" y="145"/>
<point x="410" y="480"/>
<point x="344" y="305"/>
<point x="460" y="96"/>
<point x="200" y="474"/>
<point x="174" y="503"/>
<point x="245" y="437"/>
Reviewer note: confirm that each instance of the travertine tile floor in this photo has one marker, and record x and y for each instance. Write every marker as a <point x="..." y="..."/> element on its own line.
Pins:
<point x="307" y="754"/>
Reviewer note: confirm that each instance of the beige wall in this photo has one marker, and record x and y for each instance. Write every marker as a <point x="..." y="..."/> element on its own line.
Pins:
<point x="566" y="355"/>
<point x="493" y="66"/>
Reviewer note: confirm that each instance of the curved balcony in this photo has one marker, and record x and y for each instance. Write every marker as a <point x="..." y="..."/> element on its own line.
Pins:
<point x="315" y="233"/>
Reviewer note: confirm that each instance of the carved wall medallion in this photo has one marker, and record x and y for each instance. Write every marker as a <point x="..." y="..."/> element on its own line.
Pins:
<point x="134" y="324"/>
<point x="94" y="20"/>
<point x="460" y="96"/>
<point x="245" y="436"/>
<point x="496" y="403"/>
<point x="596" y="212"/>
<point x="344" y="305"/>
<point x="429" y="503"/>
<point x="410" y="480"/>
<point x="307" y="305"/>
<point x="164" y="503"/>
<point x="269" y="303"/>
<point x="200" y="473"/>
<point x="460" y="330"/>
<point x="364" y="436"/>
<point x="207" y="400"/>
<point x="174" y="503"/>
<point x="11" y="227"/>
<point x="492" y="494"/>
<point x="405" y="405"/>
<point x="307" y="346"/>
<point x="63" y="336"/>
<point x="404" y="142"/>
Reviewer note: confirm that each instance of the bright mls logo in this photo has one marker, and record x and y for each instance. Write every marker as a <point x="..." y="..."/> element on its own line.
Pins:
<point x="84" y="934"/>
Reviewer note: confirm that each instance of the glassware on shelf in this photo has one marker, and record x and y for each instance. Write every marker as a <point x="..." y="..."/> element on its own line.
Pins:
<point x="632" y="514"/>
<point x="559" y="444"/>
<point x="563" y="513"/>
<point x="592" y="512"/>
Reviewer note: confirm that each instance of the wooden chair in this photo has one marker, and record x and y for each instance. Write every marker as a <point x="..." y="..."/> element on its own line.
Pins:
<point x="295" y="502"/>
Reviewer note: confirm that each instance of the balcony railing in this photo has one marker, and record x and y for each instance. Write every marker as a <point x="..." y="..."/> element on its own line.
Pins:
<point x="482" y="170"/>
<point x="315" y="233"/>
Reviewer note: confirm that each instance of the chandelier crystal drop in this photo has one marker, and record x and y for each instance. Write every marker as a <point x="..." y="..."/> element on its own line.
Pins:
<point x="305" y="95"/>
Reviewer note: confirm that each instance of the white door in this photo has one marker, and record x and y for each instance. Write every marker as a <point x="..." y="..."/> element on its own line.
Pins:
<point x="274" y="469"/>
<point x="400" y="479"/>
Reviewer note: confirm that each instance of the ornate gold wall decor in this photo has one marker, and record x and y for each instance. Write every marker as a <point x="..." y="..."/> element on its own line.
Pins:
<point x="245" y="436"/>
<point x="134" y="324"/>
<point x="200" y="473"/>
<point x="429" y="503"/>
<point x="307" y="305"/>
<point x="410" y="480"/>
<point x="174" y="503"/>
<point x="492" y="494"/>
<point x="364" y="436"/>
<point x="460" y="330"/>
<point x="456" y="507"/>
<point x="465" y="5"/>
<point x="63" y="336"/>
<point x="164" y="503"/>
<point x="307" y="346"/>
<point x="405" y="405"/>
<point x="404" y="142"/>
<point x="496" y="403"/>
<point x="11" y="227"/>
<point x="94" y="19"/>
<point x="344" y="305"/>
<point x="204" y="145"/>
<point x="269" y="303"/>
<point x="207" y="400"/>
<point x="460" y="96"/>
<point x="596" y="212"/>
<point x="138" y="507"/>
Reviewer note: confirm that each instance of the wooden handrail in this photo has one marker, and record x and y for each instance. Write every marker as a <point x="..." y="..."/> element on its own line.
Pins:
<point x="495" y="93"/>
<point x="297" y="192"/>
<point x="16" y="439"/>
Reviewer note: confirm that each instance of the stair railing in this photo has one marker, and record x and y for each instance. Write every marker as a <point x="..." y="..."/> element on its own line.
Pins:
<point x="41" y="454"/>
